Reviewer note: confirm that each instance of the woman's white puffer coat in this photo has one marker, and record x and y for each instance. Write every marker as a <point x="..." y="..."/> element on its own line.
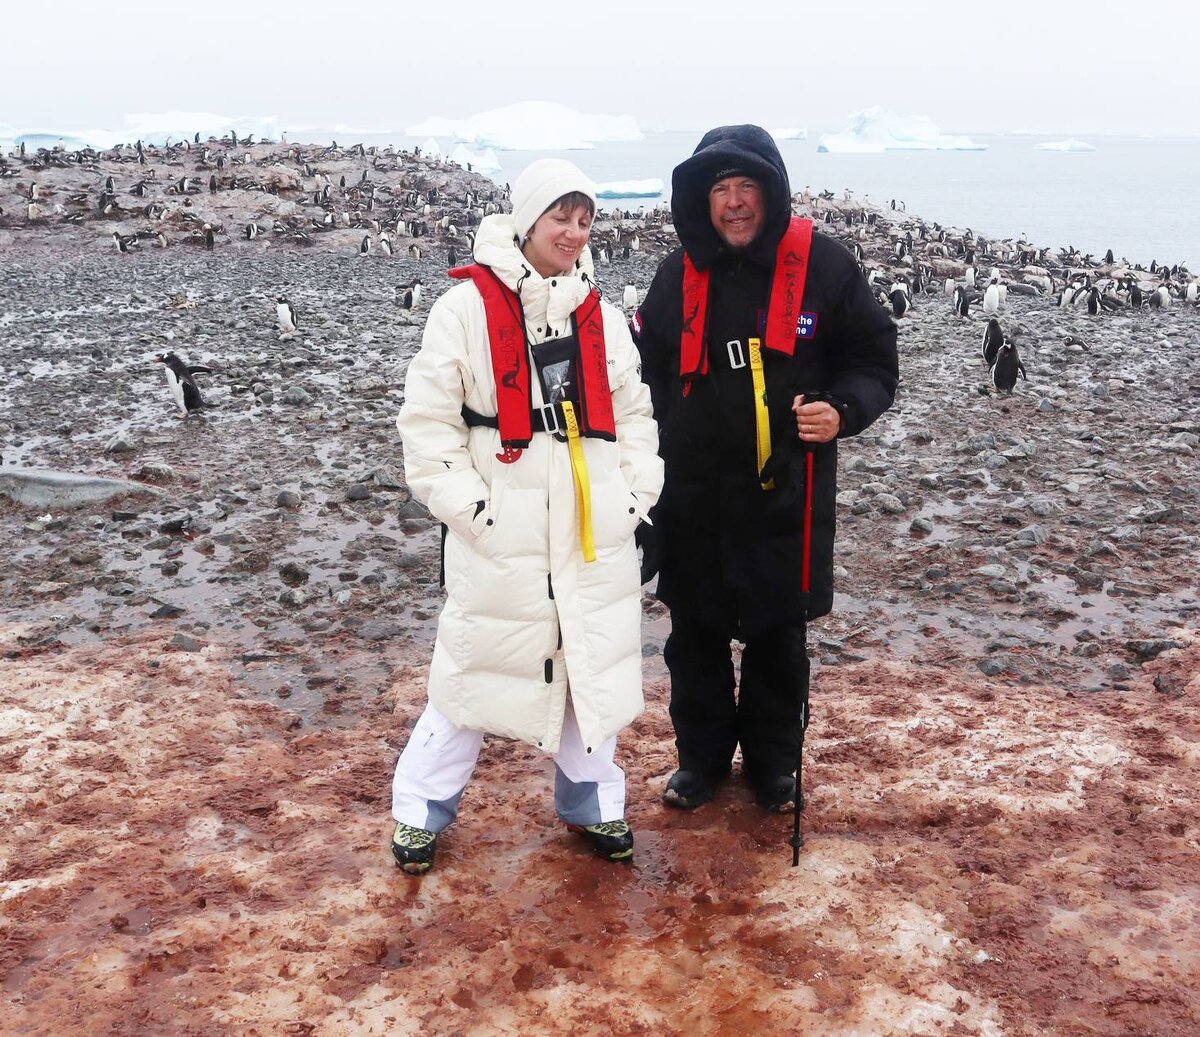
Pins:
<point x="526" y="619"/>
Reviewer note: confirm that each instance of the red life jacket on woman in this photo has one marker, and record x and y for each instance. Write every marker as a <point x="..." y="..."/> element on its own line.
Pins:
<point x="510" y="361"/>
<point x="783" y="309"/>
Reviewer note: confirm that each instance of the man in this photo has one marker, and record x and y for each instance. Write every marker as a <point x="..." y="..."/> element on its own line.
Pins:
<point x="760" y="341"/>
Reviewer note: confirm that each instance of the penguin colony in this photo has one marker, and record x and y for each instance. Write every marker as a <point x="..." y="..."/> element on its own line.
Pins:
<point x="906" y="260"/>
<point x="400" y="201"/>
<point x="403" y="202"/>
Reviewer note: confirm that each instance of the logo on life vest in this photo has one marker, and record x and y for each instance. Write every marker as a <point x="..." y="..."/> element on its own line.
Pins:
<point x="509" y="455"/>
<point x="636" y="322"/>
<point x="806" y="325"/>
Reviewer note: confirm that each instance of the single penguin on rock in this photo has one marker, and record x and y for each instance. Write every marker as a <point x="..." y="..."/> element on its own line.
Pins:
<point x="1007" y="365"/>
<point x="286" y="313"/>
<point x="899" y="299"/>
<point x="184" y="390"/>
<point x="961" y="301"/>
<point x="991" y="296"/>
<point x="629" y="298"/>
<point x="993" y="339"/>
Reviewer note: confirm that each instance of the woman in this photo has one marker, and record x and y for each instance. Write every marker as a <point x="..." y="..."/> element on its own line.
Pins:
<point x="528" y="433"/>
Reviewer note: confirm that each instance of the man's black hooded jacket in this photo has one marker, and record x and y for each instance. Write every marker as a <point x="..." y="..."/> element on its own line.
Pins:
<point x="731" y="554"/>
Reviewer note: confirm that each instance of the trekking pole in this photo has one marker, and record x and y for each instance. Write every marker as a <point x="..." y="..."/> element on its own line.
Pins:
<point x="805" y="560"/>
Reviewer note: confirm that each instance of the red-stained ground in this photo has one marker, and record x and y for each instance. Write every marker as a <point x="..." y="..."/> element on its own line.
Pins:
<point x="180" y="857"/>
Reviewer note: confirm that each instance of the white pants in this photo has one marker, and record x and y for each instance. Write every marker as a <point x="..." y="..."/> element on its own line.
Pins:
<point x="436" y="764"/>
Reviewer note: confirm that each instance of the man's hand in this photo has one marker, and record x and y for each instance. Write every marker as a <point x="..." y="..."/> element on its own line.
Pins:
<point x="816" y="422"/>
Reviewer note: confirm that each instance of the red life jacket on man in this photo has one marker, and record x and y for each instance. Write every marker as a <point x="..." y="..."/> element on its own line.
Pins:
<point x="783" y="309"/>
<point x="510" y="360"/>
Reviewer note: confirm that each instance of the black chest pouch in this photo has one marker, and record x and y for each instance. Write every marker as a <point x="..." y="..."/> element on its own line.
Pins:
<point x="557" y="366"/>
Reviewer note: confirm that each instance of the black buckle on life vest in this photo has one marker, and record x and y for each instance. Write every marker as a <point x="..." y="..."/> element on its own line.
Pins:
<point x="547" y="417"/>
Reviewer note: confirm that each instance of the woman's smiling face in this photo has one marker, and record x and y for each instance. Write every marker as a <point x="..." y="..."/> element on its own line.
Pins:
<point x="557" y="239"/>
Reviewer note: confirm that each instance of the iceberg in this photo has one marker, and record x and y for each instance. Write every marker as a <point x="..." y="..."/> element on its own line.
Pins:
<point x="875" y="130"/>
<point x="479" y="163"/>
<point x="651" y="188"/>
<point x="431" y="148"/>
<point x="789" y="133"/>
<point x="532" y="126"/>
<point x="158" y="127"/>
<point x="1070" y="144"/>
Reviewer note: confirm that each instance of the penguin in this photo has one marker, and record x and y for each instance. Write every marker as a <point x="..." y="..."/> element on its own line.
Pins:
<point x="962" y="301"/>
<point x="411" y="297"/>
<point x="1006" y="367"/>
<point x="451" y="256"/>
<point x="184" y="390"/>
<point x="899" y="300"/>
<point x="629" y="298"/>
<point x="414" y="250"/>
<point x="1092" y="301"/>
<point x="1160" y="297"/>
<point x="385" y="243"/>
<point x="991" y="297"/>
<point x="1192" y="294"/>
<point x="993" y="339"/>
<point x="365" y="248"/>
<point x="604" y="253"/>
<point x="209" y="240"/>
<point x="969" y="277"/>
<point x="1108" y="258"/>
<point x="251" y="230"/>
<point x="124" y="242"/>
<point x="286" y="313"/>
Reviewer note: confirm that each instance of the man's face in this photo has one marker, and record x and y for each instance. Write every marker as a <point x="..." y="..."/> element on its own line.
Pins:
<point x="737" y="210"/>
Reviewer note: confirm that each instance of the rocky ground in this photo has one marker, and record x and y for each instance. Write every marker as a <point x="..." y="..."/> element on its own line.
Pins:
<point x="203" y="686"/>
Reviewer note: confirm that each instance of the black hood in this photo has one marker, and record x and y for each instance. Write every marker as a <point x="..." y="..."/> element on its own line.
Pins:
<point x="747" y="148"/>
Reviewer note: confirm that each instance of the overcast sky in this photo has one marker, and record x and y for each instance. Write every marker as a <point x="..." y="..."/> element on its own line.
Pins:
<point x="1062" y="69"/>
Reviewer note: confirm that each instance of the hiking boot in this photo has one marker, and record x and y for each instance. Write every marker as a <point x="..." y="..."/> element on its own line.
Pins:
<point x="413" y="848"/>
<point x="612" y="840"/>
<point x="778" y="795"/>
<point x="688" y="790"/>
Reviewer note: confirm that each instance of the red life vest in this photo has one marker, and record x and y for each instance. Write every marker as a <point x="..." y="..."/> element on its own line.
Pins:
<point x="510" y="360"/>
<point x="783" y="309"/>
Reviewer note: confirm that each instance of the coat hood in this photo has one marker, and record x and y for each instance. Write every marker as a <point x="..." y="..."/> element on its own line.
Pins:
<point x="554" y="298"/>
<point x="745" y="147"/>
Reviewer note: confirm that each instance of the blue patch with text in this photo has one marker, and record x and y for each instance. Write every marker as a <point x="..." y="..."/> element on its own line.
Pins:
<point x="806" y="324"/>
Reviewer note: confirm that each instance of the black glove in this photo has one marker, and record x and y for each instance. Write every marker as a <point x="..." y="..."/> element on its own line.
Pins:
<point x="649" y="539"/>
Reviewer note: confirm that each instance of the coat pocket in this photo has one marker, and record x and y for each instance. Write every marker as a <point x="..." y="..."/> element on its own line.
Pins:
<point x="615" y="513"/>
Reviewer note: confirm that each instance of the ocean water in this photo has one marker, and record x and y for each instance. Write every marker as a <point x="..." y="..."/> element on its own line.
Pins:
<point x="1137" y="196"/>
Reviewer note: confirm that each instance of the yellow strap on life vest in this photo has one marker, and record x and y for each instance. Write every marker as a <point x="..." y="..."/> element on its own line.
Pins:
<point x="583" y="489"/>
<point x="762" y="418"/>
